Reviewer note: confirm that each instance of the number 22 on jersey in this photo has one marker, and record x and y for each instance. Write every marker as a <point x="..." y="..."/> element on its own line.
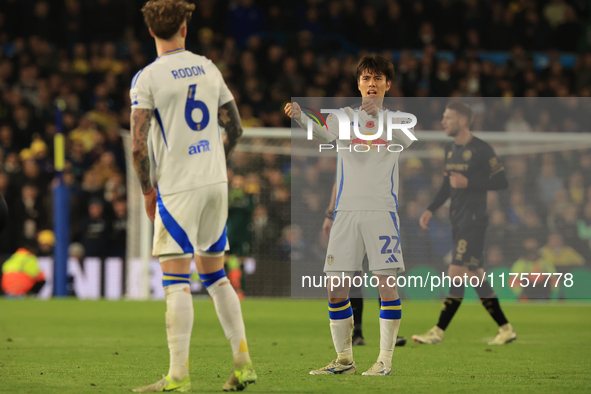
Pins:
<point x="192" y="104"/>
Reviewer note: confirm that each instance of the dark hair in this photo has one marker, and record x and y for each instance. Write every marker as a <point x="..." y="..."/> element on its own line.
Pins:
<point x="462" y="109"/>
<point x="165" y="17"/>
<point x="375" y="64"/>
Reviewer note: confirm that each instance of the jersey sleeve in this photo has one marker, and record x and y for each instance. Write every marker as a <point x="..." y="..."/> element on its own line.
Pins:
<point x="492" y="176"/>
<point x="446" y="151"/>
<point x="491" y="161"/>
<point x="225" y="94"/>
<point x="398" y="136"/>
<point x="140" y="92"/>
<point x="326" y="133"/>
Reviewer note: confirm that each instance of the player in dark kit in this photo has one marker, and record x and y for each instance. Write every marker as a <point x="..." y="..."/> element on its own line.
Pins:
<point x="471" y="169"/>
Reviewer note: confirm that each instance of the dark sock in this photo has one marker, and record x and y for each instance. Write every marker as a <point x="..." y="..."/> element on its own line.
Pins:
<point x="357" y="305"/>
<point x="494" y="308"/>
<point x="490" y="302"/>
<point x="450" y="307"/>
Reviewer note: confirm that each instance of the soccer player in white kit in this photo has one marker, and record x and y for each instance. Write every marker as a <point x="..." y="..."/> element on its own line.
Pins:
<point x="177" y="97"/>
<point x="366" y="221"/>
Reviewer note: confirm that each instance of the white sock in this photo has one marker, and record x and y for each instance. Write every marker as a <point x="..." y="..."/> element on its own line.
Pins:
<point x="227" y="306"/>
<point x="179" y="323"/>
<point x="341" y="337"/>
<point x="388" y="333"/>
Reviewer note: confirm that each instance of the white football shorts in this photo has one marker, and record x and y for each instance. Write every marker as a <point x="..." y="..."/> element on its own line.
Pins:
<point x="356" y="233"/>
<point x="192" y="221"/>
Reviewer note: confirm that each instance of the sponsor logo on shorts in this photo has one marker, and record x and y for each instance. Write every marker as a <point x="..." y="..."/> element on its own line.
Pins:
<point x="330" y="259"/>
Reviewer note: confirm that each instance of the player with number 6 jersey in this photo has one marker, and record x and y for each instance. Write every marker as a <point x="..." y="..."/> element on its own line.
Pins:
<point x="185" y="91"/>
<point x="177" y="97"/>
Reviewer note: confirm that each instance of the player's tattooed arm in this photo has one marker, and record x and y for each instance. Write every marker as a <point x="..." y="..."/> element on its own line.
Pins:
<point x="140" y="127"/>
<point x="229" y="119"/>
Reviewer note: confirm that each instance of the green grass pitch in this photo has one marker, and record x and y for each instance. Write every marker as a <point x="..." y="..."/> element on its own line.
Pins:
<point x="70" y="346"/>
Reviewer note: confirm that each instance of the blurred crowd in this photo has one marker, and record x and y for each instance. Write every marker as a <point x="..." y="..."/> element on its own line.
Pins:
<point x="85" y="54"/>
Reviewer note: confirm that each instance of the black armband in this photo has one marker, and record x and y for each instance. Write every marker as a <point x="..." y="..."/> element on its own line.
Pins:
<point x="329" y="214"/>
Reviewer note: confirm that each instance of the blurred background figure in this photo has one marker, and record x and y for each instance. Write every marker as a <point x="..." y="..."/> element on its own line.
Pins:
<point x="560" y="255"/>
<point x="46" y="242"/>
<point x="531" y="262"/>
<point x="240" y="210"/>
<point x="21" y="274"/>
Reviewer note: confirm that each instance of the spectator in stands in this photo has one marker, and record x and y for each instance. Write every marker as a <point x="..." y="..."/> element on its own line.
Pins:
<point x="566" y="225"/>
<point x="516" y="208"/>
<point x="499" y="233"/>
<point x="495" y="256"/>
<point x="94" y="230"/>
<point x="531" y="262"/>
<point x="559" y="254"/>
<point x="118" y="231"/>
<point x="45" y="242"/>
<point x="548" y="184"/>
<point x="576" y="188"/>
<point x="584" y="226"/>
<point x="532" y="227"/>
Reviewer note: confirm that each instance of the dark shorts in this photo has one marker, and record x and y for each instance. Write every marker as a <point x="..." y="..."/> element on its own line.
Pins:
<point x="468" y="246"/>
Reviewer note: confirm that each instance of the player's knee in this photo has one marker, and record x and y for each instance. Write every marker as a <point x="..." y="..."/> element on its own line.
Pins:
<point x="485" y="290"/>
<point x="214" y="281"/>
<point x="336" y="300"/>
<point x="457" y="292"/>
<point x="175" y="282"/>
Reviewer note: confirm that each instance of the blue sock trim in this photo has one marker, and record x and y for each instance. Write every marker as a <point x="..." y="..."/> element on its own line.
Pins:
<point x="340" y="310"/>
<point x="339" y="304"/>
<point x="185" y="276"/>
<point x="392" y="303"/>
<point x="211" y="278"/>
<point x="173" y="279"/>
<point x="391" y="310"/>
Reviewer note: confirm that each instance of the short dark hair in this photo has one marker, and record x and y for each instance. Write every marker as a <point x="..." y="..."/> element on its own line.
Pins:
<point x="165" y="17"/>
<point x="375" y="64"/>
<point x="462" y="109"/>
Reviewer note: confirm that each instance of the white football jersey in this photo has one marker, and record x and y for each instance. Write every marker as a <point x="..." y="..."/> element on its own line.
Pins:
<point x="185" y="91"/>
<point x="367" y="172"/>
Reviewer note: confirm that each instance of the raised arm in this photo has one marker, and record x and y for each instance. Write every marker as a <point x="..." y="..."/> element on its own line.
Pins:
<point x="229" y="119"/>
<point x="320" y="133"/>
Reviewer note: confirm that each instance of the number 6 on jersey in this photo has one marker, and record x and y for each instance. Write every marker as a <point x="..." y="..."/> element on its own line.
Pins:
<point x="195" y="104"/>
